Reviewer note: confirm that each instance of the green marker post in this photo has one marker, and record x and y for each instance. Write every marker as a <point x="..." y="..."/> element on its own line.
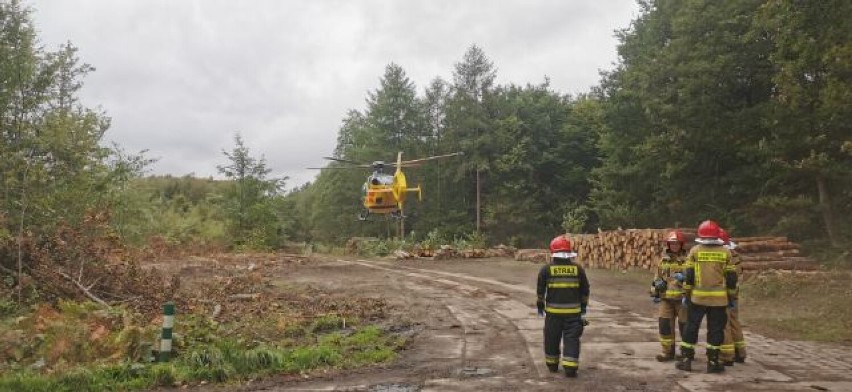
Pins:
<point x="166" y="337"/>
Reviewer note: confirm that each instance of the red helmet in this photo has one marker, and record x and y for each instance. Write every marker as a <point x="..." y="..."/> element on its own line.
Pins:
<point x="723" y="235"/>
<point x="675" y="236"/>
<point x="709" y="229"/>
<point x="560" y="248"/>
<point x="560" y="244"/>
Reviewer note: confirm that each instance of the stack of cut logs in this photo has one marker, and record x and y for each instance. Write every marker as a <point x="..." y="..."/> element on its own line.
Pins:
<point x="620" y="249"/>
<point x="448" y="252"/>
<point x="765" y="253"/>
<point x="643" y="248"/>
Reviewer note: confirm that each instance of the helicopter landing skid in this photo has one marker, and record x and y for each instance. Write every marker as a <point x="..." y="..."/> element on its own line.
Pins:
<point x="363" y="214"/>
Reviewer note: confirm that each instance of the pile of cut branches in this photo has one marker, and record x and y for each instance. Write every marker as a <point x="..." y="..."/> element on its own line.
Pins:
<point x="86" y="261"/>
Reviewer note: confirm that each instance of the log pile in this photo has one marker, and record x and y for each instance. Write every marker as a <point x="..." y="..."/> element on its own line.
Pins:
<point x="622" y="249"/>
<point x="448" y="252"/>
<point x="643" y="249"/>
<point x="501" y="251"/>
<point x="443" y="253"/>
<point x="534" y="255"/>
<point x="766" y="253"/>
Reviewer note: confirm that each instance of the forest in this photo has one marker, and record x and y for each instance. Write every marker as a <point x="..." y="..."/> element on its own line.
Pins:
<point x="736" y="111"/>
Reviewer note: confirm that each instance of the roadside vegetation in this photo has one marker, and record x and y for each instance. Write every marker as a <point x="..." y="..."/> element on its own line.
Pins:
<point x="432" y="242"/>
<point x="205" y="355"/>
<point x="800" y="306"/>
<point x="234" y="328"/>
<point x="777" y="304"/>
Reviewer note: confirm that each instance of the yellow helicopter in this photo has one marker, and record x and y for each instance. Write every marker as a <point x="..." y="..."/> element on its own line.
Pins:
<point x="384" y="193"/>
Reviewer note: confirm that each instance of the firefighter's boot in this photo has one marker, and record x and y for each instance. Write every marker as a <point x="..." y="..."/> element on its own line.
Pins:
<point x="714" y="365"/>
<point x="570" y="372"/>
<point x="553" y="367"/>
<point x="740" y="354"/>
<point x="667" y="355"/>
<point x="685" y="361"/>
<point x="727" y="355"/>
<point x="681" y="326"/>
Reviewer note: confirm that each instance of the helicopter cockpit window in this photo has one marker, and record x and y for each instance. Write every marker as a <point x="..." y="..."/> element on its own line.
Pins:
<point x="381" y="180"/>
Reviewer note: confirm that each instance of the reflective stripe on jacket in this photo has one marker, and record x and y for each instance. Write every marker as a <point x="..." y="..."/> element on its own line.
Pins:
<point x="563" y="287"/>
<point x="671" y="264"/>
<point x="710" y="275"/>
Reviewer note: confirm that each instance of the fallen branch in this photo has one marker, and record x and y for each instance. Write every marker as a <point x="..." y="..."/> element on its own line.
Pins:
<point x="128" y="299"/>
<point x="84" y="290"/>
<point x="8" y="271"/>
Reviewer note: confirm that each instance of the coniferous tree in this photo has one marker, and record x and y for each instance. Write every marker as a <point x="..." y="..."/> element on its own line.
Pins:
<point x="249" y="204"/>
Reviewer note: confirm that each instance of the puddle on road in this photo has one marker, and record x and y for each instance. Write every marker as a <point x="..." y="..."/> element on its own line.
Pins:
<point x="474" y="372"/>
<point x="407" y="330"/>
<point x="395" y="388"/>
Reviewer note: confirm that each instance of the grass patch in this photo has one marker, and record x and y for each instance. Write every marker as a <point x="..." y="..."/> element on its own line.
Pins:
<point x="221" y="361"/>
<point x="82" y="347"/>
<point x="814" y="307"/>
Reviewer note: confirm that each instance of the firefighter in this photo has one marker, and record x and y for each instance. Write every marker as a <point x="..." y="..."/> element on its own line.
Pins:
<point x="668" y="293"/>
<point x="733" y="346"/>
<point x="563" y="295"/>
<point x="709" y="280"/>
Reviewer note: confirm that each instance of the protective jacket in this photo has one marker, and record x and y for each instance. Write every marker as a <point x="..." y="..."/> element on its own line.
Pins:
<point x="710" y="275"/>
<point x="563" y="287"/>
<point x="737" y="268"/>
<point x="734" y="345"/>
<point x="671" y="264"/>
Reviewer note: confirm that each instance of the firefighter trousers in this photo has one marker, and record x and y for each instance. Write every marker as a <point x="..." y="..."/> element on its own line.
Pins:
<point x="562" y="331"/>
<point x="717" y="318"/>
<point x="671" y="313"/>
<point x="733" y="344"/>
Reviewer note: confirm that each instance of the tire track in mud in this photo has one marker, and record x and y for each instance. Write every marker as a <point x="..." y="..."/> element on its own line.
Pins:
<point x="620" y="346"/>
<point x="487" y="345"/>
<point x="475" y="308"/>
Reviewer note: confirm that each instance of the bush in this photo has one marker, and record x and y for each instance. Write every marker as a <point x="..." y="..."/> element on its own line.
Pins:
<point x="434" y="239"/>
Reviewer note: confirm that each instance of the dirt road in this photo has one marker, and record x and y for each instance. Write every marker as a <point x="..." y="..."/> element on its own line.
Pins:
<point x="474" y="329"/>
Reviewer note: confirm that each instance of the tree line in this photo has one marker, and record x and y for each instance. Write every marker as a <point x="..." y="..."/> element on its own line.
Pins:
<point x="737" y="111"/>
<point x="69" y="201"/>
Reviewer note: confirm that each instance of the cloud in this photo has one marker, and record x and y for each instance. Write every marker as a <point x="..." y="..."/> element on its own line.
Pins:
<point x="179" y="78"/>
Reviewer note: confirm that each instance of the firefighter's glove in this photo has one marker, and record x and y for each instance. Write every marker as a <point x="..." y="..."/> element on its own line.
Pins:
<point x="659" y="284"/>
<point x="656" y="300"/>
<point x="679" y="276"/>
<point x="583" y="308"/>
<point x="685" y="301"/>
<point x="732" y="304"/>
<point x="540" y="307"/>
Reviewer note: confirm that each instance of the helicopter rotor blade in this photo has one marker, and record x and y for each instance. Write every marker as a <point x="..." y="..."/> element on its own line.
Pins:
<point x="340" y="167"/>
<point x="343" y="161"/>
<point x="417" y="162"/>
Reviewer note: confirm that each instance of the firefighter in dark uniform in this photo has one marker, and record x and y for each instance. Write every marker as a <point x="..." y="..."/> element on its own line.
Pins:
<point x="563" y="295"/>
<point x="710" y="278"/>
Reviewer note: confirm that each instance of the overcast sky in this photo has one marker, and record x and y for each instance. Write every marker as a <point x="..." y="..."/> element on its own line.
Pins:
<point x="179" y="78"/>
